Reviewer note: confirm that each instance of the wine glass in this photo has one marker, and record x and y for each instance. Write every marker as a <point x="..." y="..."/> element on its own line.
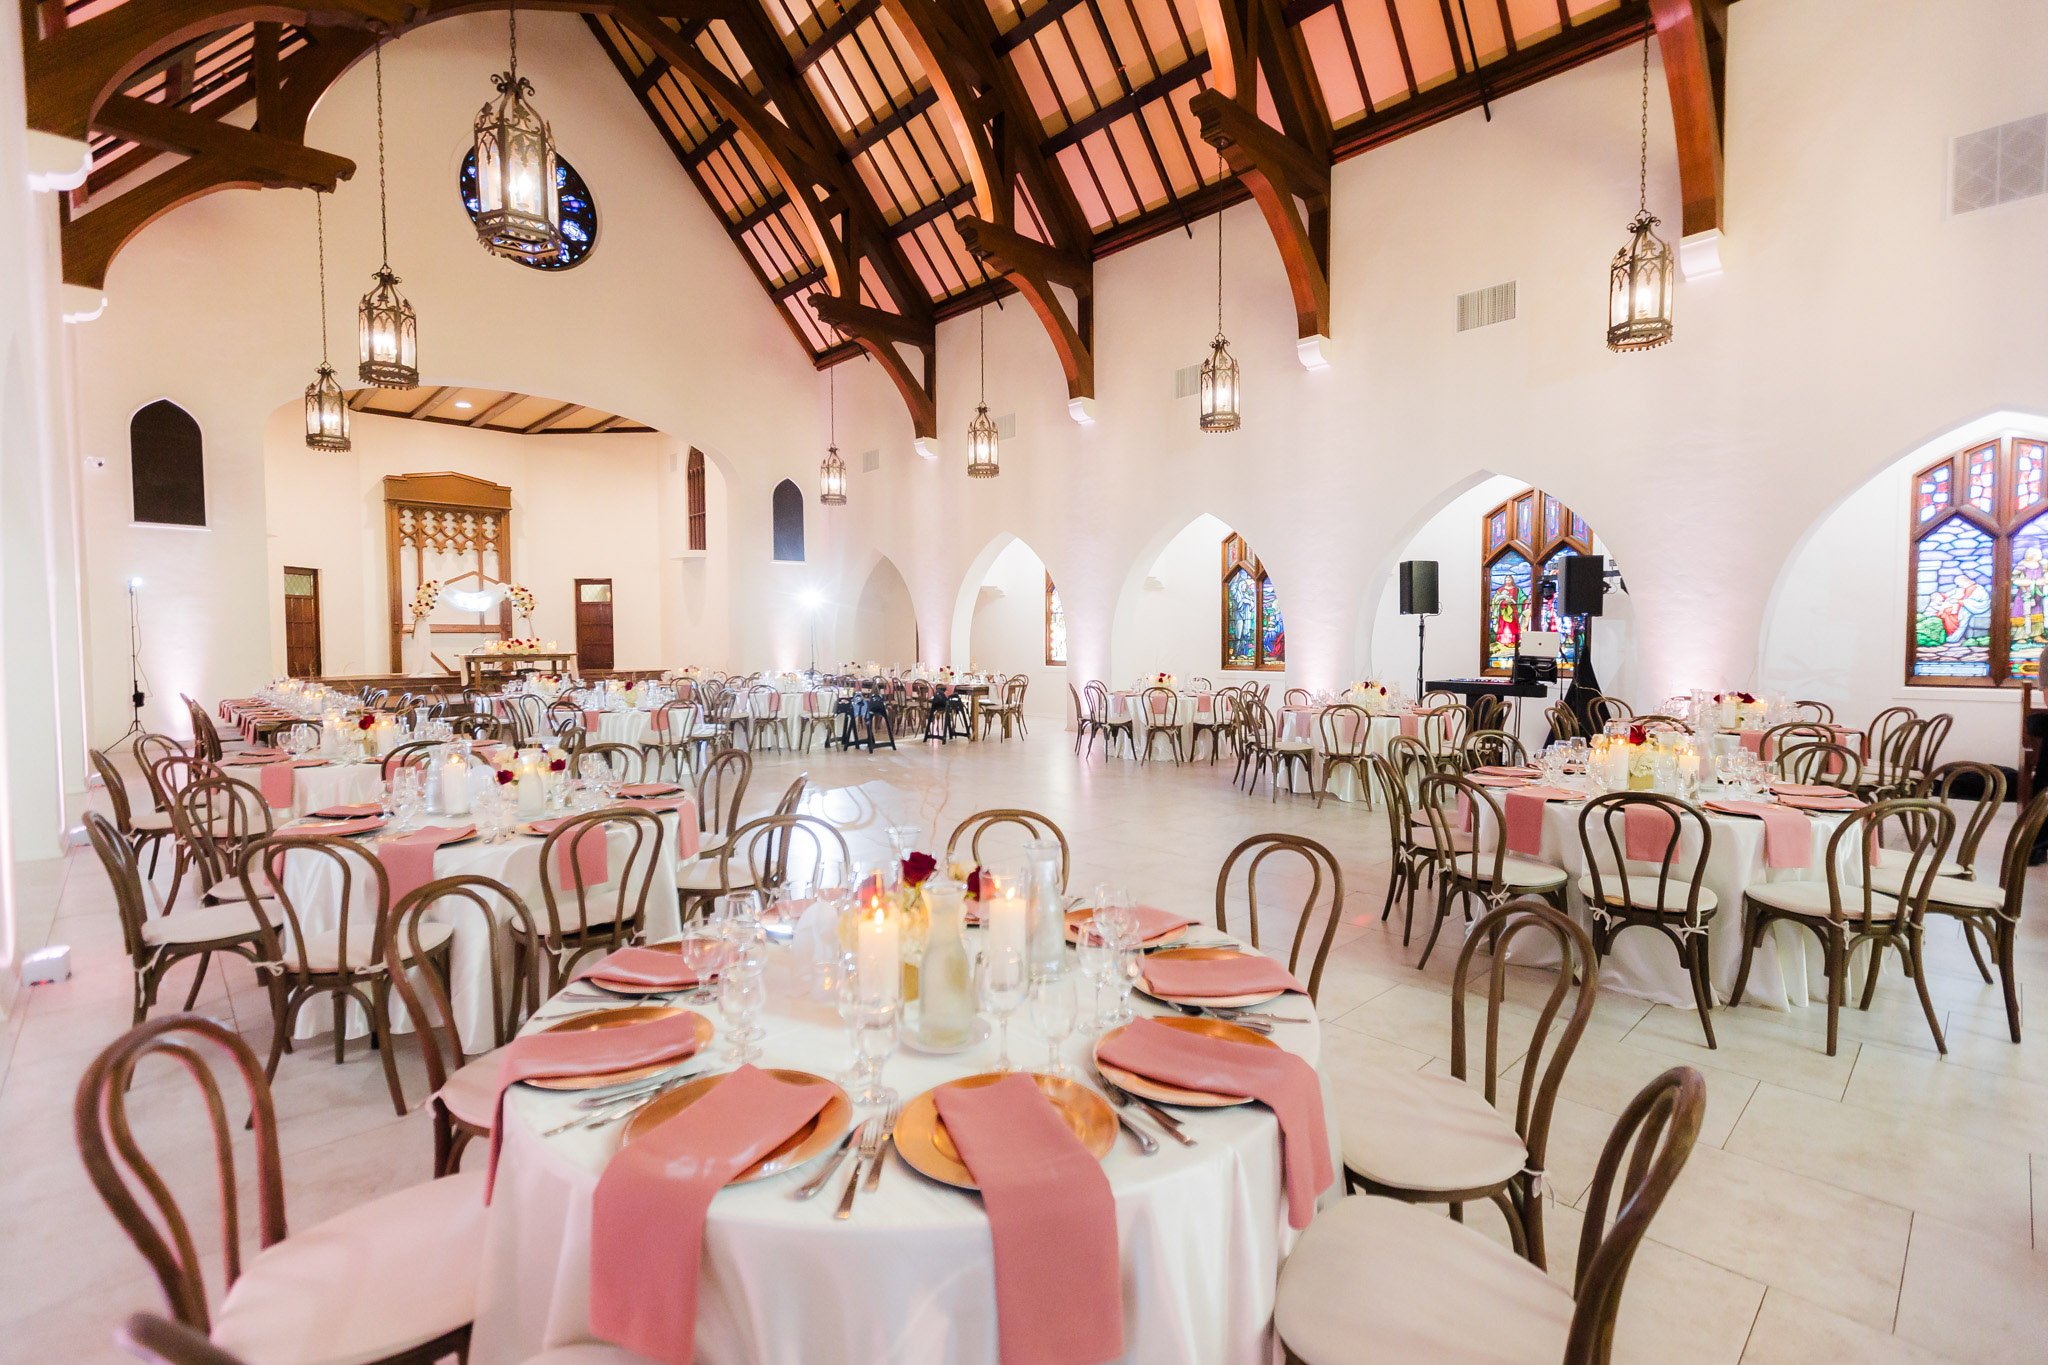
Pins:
<point x="1128" y="972"/>
<point x="1096" y="957"/>
<point x="703" y="952"/>
<point x="1001" y="981"/>
<point x="877" y="1026"/>
<point x="741" y="994"/>
<point x="1113" y="913"/>
<point x="846" y="974"/>
<point x="1054" y="1011"/>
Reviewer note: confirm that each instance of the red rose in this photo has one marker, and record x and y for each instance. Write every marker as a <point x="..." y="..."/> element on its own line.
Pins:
<point x="1638" y="735"/>
<point x="974" y="884"/>
<point x="506" y="777"/>
<point x="556" y="765"/>
<point x="1747" y="698"/>
<point x="366" y="722"/>
<point x="918" y="868"/>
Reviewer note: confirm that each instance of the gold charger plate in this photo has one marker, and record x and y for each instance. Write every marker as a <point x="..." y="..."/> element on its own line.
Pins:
<point x="923" y="1142"/>
<point x="622" y="1017"/>
<point x="812" y="1140"/>
<point x="1208" y="955"/>
<point x="672" y="948"/>
<point x="1077" y="918"/>
<point x="1143" y="1085"/>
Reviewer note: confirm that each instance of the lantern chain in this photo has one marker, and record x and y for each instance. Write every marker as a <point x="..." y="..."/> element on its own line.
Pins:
<point x="383" y="195"/>
<point x="1219" y="252"/>
<point x="1643" y="142"/>
<point x="512" y="19"/>
<point x="320" y="236"/>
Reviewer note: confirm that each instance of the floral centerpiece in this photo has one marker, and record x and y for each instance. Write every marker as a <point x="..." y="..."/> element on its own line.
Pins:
<point x="424" y="598"/>
<point x="1373" y="695"/>
<point x="1740" y="710"/>
<point x="944" y="677"/>
<point x="1161" y="680"/>
<point x="518" y="644"/>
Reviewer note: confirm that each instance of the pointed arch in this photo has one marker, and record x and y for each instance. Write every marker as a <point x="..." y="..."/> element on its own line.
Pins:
<point x="787" y="513"/>
<point x="167" y="466"/>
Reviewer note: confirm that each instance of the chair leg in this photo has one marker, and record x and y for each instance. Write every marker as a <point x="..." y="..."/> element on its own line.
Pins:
<point x="281" y="1013"/>
<point x="340" y="1023"/>
<point x="1752" y="931"/>
<point x="1702" y="987"/>
<point x="1443" y="912"/>
<point x="1836" y="956"/>
<point x="1393" y="887"/>
<point x="1911" y="950"/>
<point x="198" y="979"/>
<point x="380" y="1029"/>
<point x="1870" y="971"/>
<point x="2008" y="932"/>
<point x="1970" y="939"/>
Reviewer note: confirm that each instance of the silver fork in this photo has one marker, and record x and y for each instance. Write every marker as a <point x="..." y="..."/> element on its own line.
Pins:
<point x="870" y="1146"/>
<point x="887" y="1143"/>
<point x="850" y="1142"/>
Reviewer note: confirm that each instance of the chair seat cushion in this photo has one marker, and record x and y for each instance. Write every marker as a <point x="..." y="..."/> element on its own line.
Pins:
<point x="1422" y="1131"/>
<point x="471" y="1094"/>
<point x="1809" y="900"/>
<point x="1379" y="1279"/>
<point x="151" y="822"/>
<point x="702" y="875"/>
<point x="385" y="1277"/>
<point x="205" y="923"/>
<point x="588" y="1353"/>
<point x="1956" y="891"/>
<point x="323" y="950"/>
<point x="1642" y="892"/>
<point x="230" y="893"/>
<point x="1425" y="837"/>
<point x="1516" y="872"/>
<point x="1898" y="859"/>
<point x="1293" y="746"/>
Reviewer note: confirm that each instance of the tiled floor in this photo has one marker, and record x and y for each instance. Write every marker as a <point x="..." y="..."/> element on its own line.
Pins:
<point x="1875" y="1206"/>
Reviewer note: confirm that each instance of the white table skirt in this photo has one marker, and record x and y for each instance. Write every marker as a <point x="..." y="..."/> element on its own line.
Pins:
<point x="909" y="1279"/>
<point x="1306" y="722"/>
<point x="337" y="784"/>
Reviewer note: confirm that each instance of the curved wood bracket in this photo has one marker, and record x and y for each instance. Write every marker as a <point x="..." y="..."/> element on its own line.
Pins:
<point x="1690" y="38"/>
<point x="1035" y="268"/>
<point x="1291" y="189"/>
<point x="879" y="334"/>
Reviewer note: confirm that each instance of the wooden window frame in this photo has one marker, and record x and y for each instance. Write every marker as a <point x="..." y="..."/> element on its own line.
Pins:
<point x="151" y="458"/>
<point x="1537" y="548"/>
<point x="2003" y="522"/>
<point x="1050" y="592"/>
<point x="694" y="482"/>
<point x="1237" y="554"/>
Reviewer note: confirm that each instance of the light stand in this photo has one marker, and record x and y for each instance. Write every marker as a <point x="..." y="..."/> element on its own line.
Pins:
<point x="136" y="697"/>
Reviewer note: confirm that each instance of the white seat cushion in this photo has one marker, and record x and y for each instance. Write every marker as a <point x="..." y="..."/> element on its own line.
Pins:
<point x="1377" y="1279"/>
<point x="702" y="875"/>
<point x="204" y="923"/>
<point x="1809" y="900"/>
<point x="230" y="893"/>
<point x="323" y="951"/>
<point x="1957" y="891"/>
<point x="1897" y="859"/>
<point x="382" y="1278"/>
<point x="589" y="1353"/>
<point x="1293" y="746"/>
<point x="1642" y="891"/>
<point x="1422" y="1131"/>
<point x="1515" y="872"/>
<point x="151" y="822"/>
<point x="1425" y="837"/>
<point x="471" y="1094"/>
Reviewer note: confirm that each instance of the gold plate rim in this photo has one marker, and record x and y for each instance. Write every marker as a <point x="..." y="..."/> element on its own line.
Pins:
<point x="917" y="1127"/>
<point x="807" y="1144"/>
<point x="1077" y="917"/>
<point x="611" y="1018"/>
<point x="1207" y="955"/>
<point x="1150" y="1089"/>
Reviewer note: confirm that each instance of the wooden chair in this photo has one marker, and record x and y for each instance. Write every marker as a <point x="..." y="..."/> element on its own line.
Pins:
<point x="1778" y="737"/>
<point x="1159" y="709"/>
<point x="1411" y="842"/>
<point x="1433" y="1139"/>
<point x="528" y="715"/>
<point x="160" y="1341"/>
<point x="1442" y="731"/>
<point x="720" y="790"/>
<point x="470" y="725"/>
<point x="149" y="830"/>
<point x="585" y="917"/>
<point x="1273" y="755"/>
<point x="1817" y="710"/>
<point x="1821" y="763"/>
<point x="1563" y="724"/>
<point x="1880" y="737"/>
<point x="1297" y="696"/>
<point x="1895" y="766"/>
<point x="1492" y="749"/>
<point x="816" y="710"/>
<point x="1436" y="697"/>
<point x="1373" y="1270"/>
<point x="1219" y="724"/>
<point x="1345" y="730"/>
<point x="1084" y="721"/>
<point x="205" y="737"/>
<point x="629" y="762"/>
<point x="764" y="717"/>
<point x="1008" y="711"/>
<point x="463" y="1088"/>
<point x="763" y="850"/>
<point x="1465" y="874"/>
<point x="1881" y="907"/>
<point x="391" y="1280"/>
<point x="1315" y="914"/>
<point x="218" y="819"/>
<point x="1486" y="713"/>
<point x="418" y="753"/>
<point x="1035" y="826"/>
<point x="1601" y="708"/>
<point x="1982" y="785"/>
<point x="1666" y="892"/>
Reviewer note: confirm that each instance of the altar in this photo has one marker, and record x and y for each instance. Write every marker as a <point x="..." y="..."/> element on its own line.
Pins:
<point x="489" y="669"/>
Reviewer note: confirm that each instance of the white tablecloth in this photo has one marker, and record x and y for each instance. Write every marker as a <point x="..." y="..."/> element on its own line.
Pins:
<point x="1306" y="722"/>
<point x="336" y="784"/>
<point x="909" y="1279"/>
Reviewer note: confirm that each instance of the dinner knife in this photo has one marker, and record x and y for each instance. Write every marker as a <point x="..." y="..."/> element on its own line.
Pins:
<point x="817" y="1182"/>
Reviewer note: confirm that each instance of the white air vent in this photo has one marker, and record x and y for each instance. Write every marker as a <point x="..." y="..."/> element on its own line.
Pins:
<point x="1187" y="381"/>
<point x="870" y="461"/>
<point x="1485" y="307"/>
<point x="1006" y="425"/>
<point x="1998" y="165"/>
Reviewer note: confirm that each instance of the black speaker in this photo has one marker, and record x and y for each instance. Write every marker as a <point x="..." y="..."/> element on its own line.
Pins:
<point x="1418" y="587"/>
<point x="1585" y="584"/>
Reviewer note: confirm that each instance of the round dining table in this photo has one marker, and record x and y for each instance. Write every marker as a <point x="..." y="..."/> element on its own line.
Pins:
<point x="909" y="1277"/>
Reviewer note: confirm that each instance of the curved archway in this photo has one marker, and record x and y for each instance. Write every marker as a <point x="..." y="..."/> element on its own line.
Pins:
<point x="786" y="506"/>
<point x="1199" y="602"/>
<point x="167" y="465"/>
<point x="1000" y="619"/>
<point x="882" y="628"/>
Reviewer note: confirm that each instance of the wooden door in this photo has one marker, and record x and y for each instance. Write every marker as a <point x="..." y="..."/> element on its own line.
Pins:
<point x="594" y="623"/>
<point x="302" y="623"/>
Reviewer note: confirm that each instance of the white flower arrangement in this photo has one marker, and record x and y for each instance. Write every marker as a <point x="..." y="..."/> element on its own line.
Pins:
<point x="424" y="599"/>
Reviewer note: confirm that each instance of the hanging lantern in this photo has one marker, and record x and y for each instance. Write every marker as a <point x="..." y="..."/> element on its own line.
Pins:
<point x="519" y="212"/>
<point x="387" y="333"/>
<point x="1643" y="279"/>
<point x="1219" y="372"/>
<point x="326" y="409"/>
<point x="983" y="441"/>
<point x="832" y="479"/>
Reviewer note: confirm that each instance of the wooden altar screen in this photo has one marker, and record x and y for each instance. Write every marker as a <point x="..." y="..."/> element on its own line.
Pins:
<point x="439" y="525"/>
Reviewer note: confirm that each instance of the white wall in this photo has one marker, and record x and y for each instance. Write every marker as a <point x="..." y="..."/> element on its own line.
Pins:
<point x="884" y="621"/>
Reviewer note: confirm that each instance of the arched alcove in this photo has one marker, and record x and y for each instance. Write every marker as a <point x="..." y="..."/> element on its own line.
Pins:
<point x="883" y="628"/>
<point x="167" y="466"/>
<point x="1201" y="603"/>
<point x="787" y="511"/>
<point x="1003" y="621"/>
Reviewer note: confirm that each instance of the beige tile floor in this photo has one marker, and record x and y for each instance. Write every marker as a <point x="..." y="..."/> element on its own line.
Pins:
<point x="1876" y="1206"/>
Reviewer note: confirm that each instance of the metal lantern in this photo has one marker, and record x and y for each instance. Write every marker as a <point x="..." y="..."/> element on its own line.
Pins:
<point x="387" y="336"/>
<point x="983" y="454"/>
<point x="1219" y="388"/>
<point x="519" y="213"/>
<point x="832" y="479"/>
<point x="1640" y="287"/>
<point x="326" y="412"/>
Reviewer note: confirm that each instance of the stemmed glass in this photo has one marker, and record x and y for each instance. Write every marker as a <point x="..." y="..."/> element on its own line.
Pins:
<point x="1054" y="1007"/>
<point x="1130" y="969"/>
<point x="1113" y="914"/>
<point x="408" y="795"/>
<point x="877" y="1027"/>
<point x="741" y="994"/>
<point x="1001" y="981"/>
<point x="1096" y="957"/>
<point x="703" y="952"/>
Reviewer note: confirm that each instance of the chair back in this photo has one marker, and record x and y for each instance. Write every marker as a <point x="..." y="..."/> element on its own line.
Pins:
<point x="1098" y="701"/>
<point x="417" y="753"/>
<point x="160" y="1341"/>
<point x="1640" y="858"/>
<point x="1573" y="988"/>
<point x="1923" y="828"/>
<point x="585" y="916"/>
<point x="116" y="788"/>
<point x="1448" y="800"/>
<point x="205" y="738"/>
<point x="1821" y="763"/>
<point x="151" y="750"/>
<point x="1345" y="729"/>
<point x="1296" y="696"/>
<point x="1601" y="708"/>
<point x="131" y="1185"/>
<point x="1436" y="697"/>
<point x="1563" y="724"/>
<point x="1492" y="749"/>
<point x="2019" y="852"/>
<point x="303" y="872"/>
<point x="505" y="927"/>
<point x="1399" y="810"/>
<point x="977" y="826"/>
<point x="1487" y="713"/>
<point x="1898" y="758"/>
<point x="219" y="819"/>
<point x="124" y="874"/>
<point x="529" y="716"/>
<point x="1161" y="706"/>
<point x="1778" y="737"/>
<point x="470" y="725"/>
<point x="1815" y="710"/>
<point x="768" y="846"/>
<point x="628" y="762"/>
<point x="1411" y="760"/>
<point x="1931" y="740"/>
<point x="1881" y="728"/>
<point x="1645" y="1151"/>
<point x="1320" y="908"/>
<point x="1201" y="684"/>
<point x="1983" y="786"/>
<point x="1442" y="729"/>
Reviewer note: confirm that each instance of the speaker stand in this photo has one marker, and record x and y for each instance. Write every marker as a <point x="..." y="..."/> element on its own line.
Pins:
<point x="1421" y="629"/>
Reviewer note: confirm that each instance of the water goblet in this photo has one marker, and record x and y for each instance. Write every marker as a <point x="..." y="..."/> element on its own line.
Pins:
<point x="1096" y="957"/>
<point x="877" y="1031"/>
<point x="1001" y="981"/>
<point x="741" y="994"/>
<point x="702" y="953"/>
<point x="1129" y="971"/>
<point x="1055" y="1007"/>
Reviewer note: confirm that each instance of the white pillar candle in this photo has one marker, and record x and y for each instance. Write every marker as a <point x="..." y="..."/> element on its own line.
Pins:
<point x="877" y="955"/>
<point x="533" y="790"/>
<point x="455" y="786"/>
<point x="1006" y="923"/>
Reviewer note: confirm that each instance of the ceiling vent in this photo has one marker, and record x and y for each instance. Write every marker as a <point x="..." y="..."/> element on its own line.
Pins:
<point x="1998" y="165"/>
<point x="1006" y="425"/>
<point x="870" y="461"/>
<point x="1187" y="381"/>
<point x="1485" y="307"/>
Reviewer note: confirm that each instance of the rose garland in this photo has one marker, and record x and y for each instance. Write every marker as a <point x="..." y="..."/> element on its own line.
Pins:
<point x="521" y="597"/>
<point x="424" y="599"/>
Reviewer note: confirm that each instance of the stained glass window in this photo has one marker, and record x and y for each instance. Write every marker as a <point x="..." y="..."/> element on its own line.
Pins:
<point x="578" y="213"/>
<point x="1507" y="609"/>
<point x="1055" y="626"/>
<point x="1979" y="566"/>
<point x="1254" y="635"/>
<point x="1518" y="595"/>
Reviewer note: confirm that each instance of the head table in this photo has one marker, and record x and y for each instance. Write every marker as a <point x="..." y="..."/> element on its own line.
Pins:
<point x="909" y="1278"/>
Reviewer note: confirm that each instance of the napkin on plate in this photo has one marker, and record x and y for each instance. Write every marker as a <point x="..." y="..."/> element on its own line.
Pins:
<point x="587" y="856"/>
<point x="641" y="967"/>
<point x="1153" y="923"/>
<point x="586" y="1052"/>
<point x="1204" y="978"/>
<point x="1806" y="789"/>
<point x="1052" y="1218"/>
<point x="1788" y="837"/>
<point x="640" y="790"/>
<point x="1841" y="801"/>
<point x="647" y="1216"/>
<point x="409" y="858"/>
<point x="362" y="824"/>
<point x="352" y="811"/>
<point x="1495" y="770"/>
<point x="1273" y="1076"/>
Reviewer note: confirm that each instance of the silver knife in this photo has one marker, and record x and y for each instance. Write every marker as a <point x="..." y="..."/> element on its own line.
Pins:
<point x="810" y="1187"/>
<point x="1162" y="1118"/>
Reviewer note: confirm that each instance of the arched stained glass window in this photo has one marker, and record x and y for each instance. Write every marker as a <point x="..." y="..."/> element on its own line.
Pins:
<point x="788" y="512"/>
<point x="1055" y="626"/>
<point x="1254" y="634"/>
<point x="1524" y="543"/>
<point x="1979" y="570"/>
<point x="167" y="466"/>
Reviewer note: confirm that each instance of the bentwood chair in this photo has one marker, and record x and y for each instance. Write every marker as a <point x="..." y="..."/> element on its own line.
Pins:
<point x="155" y="945"/>
<point x="1159" y="709"/>
<point x="463" y="1089"/>
<point x="720" y="789"/>
<point x="1815" y="710"/>
<point x="1563" y="724"/>
<point x="1272" y="753"/>
<point x="1005" y="706"/>
<point x="302" y="873"/>
<point x="1433" y="1139"/>
<point x="1034" y="826"/>
<point x="1639" y="872"/>
<point x="1880" y="735"/>
<point x="1218" y="722"/>
<point x="391" y="1280"/>
<point x="1297" y="696"/>
<point x="1084" y="722"/>
<point x="1491" y="749"/>
<point x="1982" y="786"/>
<point x="587" y="914"/>
<point x="1601" y="708"/>
<point x="528" y="715"/>
<point x="1486" y="713"/>
<point x="1345" y="730"/>
<point x="1822" y="764"/>
<point x="1109" y="728"/>
<point x="816" y="710"/>
<point x="1464" y="873"/>
<point x="1313" y="913"/>
<point x="765" y="851"/>
<point x="419" y="753"/>
<point x="1436" y="697"/>
<point x="1411" y="842"/>
<point x="470" y="725"/>
<point x="218" y="820"/>
<point x="628" y="762"/>
<point x="148" y="830"/>
<point x="1780" y="737"/>
<point x="1881" y="907"/>
<point x="1383" y="1271"/>
<point x="1442" y="730"/>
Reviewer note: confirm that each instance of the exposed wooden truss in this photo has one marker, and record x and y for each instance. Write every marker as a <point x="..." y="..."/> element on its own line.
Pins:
<point x="511" y="414"/>
<point x="1691" y="34"/>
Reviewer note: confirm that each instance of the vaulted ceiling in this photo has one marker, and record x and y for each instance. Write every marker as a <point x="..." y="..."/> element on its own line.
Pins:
<point x="881" y="164"/>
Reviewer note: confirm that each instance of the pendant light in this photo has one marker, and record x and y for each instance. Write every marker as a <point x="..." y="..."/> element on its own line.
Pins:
<point x="326" y="409"/>
<point x="1644" y="275"/>
<point x="832" y="473"/>
<point x="519" y="213"/>
<point x="983" y="443"/>
<point x="387" y="333"/>
<point x="1220" y="392"/>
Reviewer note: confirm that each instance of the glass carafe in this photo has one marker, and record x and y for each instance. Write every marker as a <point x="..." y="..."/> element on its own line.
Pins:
<point x="945" y="984"/>
<point x="1045" y="924"/>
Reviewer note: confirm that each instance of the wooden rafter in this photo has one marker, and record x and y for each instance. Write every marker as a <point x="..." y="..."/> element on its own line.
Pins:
<point x="879" y="334"/>
<point x="1690" y="36"/>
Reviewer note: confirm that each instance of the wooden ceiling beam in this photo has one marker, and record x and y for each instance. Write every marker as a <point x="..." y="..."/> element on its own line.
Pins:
<point x="551" y="418"/>
<point x="1043" y="17"/>
<point x="1034" y="268"/>
<point x="879" y="334"/>
<point x="483" y="418"/>
<point x="844" y="23"/>
<point x="434" y="402"/>
<point x="1690" y="37"/>
<point x="1165" y="83"/>
<point x="283" y="162"/>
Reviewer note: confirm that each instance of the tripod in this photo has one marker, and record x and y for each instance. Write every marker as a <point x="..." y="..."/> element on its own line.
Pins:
<point x="135" y="693"/>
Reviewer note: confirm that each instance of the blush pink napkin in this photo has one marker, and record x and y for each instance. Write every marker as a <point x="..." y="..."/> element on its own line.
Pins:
<point x="657" y="721"/>
<point x="1841" y="802"/>
<point x="1753" y="740"/>
<point x="1788" y="836"/>
<point x="276" y="781"/>
<point x="1154" y="923"/>
<point x="1051" y="1215"/>
<point x="1646" y="832"/>
<point x="350" y="812"/>
<point x="593" y="721"/>
<point x="644" y="789"/>
<point x="1522" y="809"/>
<point x="1273" y="1076"/>
<point x="586" y="1052"/>
<point x="409" y="859"/>
<point x="1411" y="725"/>
<point x="1494" y="770"/>
<point x="337" y="829"/>
<point x="589" y="854"/>
<point x="647" y="1216"/>
<point x="1203" y="978"/>
<point x="1806" y="789"/>
<point x="641" y="967"/>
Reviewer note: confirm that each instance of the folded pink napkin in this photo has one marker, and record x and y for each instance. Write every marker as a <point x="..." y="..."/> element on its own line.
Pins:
<point x="275" y="780"/>
<point x="1788" y="836"/>
<point x="362" y="824"/>
<point x="1411" y="725"/>
<point x="647" y="1216"/>
<point x="1806" y="789"/>
<point x="1822" y="803"/>
<point x="1202" y="978"/>
<point x="641" y="967"/>
<point x="1522" y="809"/>
<point x="586" y="1052"/>
<point x="1052" y="1217"/>
<point x="1646" y="832"/>
<point x="1495" y="770"/>
<point x="349" y="812"/>
<point x="592" y="721"/>
<point x="657" y="721"/>
<point x="1273" y="1076"/>
<point x="586" y="857"/>
<point x="409" y="859"/>
<point x="1153" y="922"/>
<point x="646" y="789"/>
<point x="1858" y="740"/>
<point x="1753" y="740"/>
